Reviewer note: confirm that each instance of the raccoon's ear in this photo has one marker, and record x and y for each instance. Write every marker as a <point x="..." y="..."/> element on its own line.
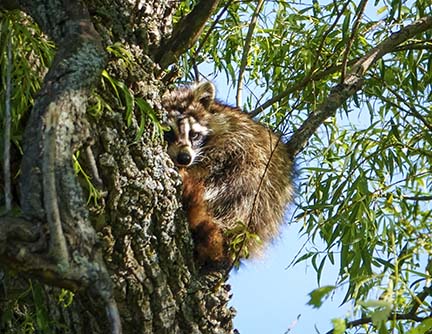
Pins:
<point x="204" y="92"/>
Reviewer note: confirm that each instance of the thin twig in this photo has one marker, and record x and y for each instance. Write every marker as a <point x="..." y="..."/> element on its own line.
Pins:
<point x="327" y="32"/>
<point x="424" y="45"/>
<point x="418" y="198"/>
<point x="312" y="76"/>
<point x="93" y="167"/>
<point x="362" y="7"/>
<point x="297" y="87"/>
<point x="246" y="48"/>
<point x="420" y="298"/>
<point x="207" y="35"/>
<point x="7" y="129"/>
<point x="260" y="185"/>
<point x="411" y="110"/>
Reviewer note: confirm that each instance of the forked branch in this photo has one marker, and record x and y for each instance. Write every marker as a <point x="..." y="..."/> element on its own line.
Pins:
<point x="353" y="82"/>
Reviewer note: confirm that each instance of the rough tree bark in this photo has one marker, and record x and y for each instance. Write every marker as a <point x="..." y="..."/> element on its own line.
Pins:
<point x="132" y="258"/>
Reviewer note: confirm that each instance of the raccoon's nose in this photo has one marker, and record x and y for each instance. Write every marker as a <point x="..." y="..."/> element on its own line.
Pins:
<point x="184" y="158"/>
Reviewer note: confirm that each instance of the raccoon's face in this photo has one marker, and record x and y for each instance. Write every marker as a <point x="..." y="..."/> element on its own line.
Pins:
<point x="188" y="114"/>
<point x="185" y="140"/>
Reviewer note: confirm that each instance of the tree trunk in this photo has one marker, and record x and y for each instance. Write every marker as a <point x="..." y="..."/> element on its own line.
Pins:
<point x="131" y="253"/>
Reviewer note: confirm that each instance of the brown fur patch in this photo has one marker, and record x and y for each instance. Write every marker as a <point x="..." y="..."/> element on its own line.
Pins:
<point x="209" y="242"/>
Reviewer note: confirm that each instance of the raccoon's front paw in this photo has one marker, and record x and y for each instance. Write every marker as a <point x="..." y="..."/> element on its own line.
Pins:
<point x="210" y="246"/>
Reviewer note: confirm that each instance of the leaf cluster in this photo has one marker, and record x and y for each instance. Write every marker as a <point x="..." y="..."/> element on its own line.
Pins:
<point x="32" y="54"/>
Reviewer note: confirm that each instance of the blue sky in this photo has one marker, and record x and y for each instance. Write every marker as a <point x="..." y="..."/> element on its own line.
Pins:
<point x="268" y="296"/>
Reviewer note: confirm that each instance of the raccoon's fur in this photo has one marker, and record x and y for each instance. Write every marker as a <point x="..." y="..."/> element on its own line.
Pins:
<point x="234" y="170"/>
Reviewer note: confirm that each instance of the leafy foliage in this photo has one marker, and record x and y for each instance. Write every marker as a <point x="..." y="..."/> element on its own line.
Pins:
<point x="31" y="57"/>
<point x="240" y="236"/>
<point x="364" y="189"/>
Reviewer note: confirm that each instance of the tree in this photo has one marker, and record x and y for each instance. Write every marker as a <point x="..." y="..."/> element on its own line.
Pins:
<point x="92" y="76"/>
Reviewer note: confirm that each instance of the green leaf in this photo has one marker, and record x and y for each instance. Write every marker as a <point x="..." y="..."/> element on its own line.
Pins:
<point x="339" y="326"/>
<point x="42" y="318"/>
<point x="423" y="328"/>
<point x="381" y="10"/>
<point x="318" y="296"/>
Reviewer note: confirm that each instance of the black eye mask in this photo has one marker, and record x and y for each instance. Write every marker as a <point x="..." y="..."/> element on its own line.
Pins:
<point x="169" y="136"/>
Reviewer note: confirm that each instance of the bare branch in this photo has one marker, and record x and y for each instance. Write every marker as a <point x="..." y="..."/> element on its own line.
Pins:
<point x="353" y="82"/>
<point x="297" y="87"/>
<point x="424" y="45"/>
<point x="246" y="48"/>
<point x="185" y="33"/>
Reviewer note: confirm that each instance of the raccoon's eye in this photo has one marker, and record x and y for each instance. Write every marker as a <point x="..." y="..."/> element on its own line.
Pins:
<point x="194" y="136"/>
<point x="169" y="136"/>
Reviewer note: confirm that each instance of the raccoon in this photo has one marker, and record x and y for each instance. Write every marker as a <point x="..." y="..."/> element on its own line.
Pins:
<point x="234" y="170"/>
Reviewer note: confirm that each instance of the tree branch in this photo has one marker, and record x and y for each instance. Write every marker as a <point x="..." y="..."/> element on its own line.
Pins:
<point x="185" y="33"/>
<point x="246" y="48"/>
<point x="424" y="45"/>
<point x="420" y="298"/>
<point x="397" y="316"/>
<point x="352" y="83"/>
<point x="206" y="36"/>
<point x="418" y="198"/>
